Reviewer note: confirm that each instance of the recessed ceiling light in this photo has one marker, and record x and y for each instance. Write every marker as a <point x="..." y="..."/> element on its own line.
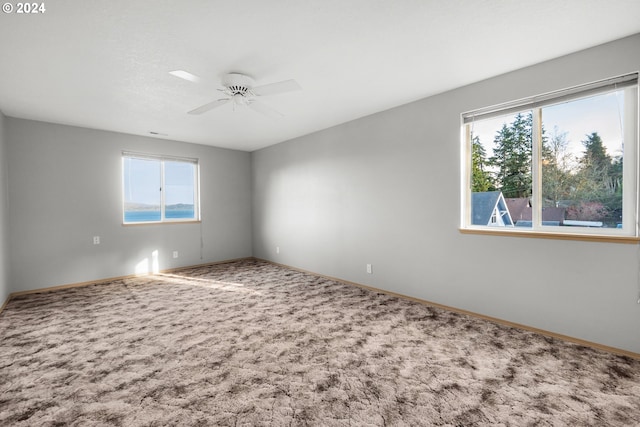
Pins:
<point x="185" y="75"/>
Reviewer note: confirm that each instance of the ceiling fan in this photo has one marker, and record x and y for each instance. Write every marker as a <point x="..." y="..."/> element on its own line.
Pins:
<point x="239" y="91"/>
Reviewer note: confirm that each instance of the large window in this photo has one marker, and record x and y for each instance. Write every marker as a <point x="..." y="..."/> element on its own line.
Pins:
<point x="159" y="189"/>
<point x="563" y="163"/>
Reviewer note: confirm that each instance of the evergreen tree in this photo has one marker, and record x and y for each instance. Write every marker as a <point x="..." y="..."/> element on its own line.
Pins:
<point x="592" y="182"/>
<point x="599" y="179"/>
<point x="480" y="178"/>
<point x="512" y="157"/>
<point x="595" y="156"/>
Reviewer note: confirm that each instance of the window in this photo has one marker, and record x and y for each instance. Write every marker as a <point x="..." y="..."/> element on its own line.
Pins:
<point x="159" y="189"/>
<point x="563" y="163"/>
<point x="494" y="218"/>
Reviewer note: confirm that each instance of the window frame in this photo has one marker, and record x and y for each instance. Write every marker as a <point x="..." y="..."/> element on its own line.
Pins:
<point x="162" y="159"/>
<point x="630" y="231"/>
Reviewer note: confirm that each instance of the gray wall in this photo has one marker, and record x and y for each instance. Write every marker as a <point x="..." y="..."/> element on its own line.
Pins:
<point x="4" y="216"/>
<point x="66" y="188"/>
<point x="385" y="190"/>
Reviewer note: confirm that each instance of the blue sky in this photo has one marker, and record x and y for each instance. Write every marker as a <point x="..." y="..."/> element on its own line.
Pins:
<point x="142" y="181"/>
<point x="601" y="113"/>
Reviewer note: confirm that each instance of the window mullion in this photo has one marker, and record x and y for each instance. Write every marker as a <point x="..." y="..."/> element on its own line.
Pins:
<point x="466" y="179"/>
<point x="196" y="192"/>
<point x="631" y="167"/>
<point x="162" y="192"/>
<point x="536" y="168"/>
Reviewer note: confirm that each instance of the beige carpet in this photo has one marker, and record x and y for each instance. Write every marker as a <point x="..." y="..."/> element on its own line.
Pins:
<point x="254" y="344"/>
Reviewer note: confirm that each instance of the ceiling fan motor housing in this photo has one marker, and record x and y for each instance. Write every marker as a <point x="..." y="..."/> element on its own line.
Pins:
<point x="240" y="90"/>
<point x="238" y="84"/>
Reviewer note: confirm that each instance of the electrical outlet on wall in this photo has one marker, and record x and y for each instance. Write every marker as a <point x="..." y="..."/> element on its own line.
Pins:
<point x="277" y="249"/>
<point x="175" y="254"/>
<point x="96" y="240"/>
<point x="369" y="269"/>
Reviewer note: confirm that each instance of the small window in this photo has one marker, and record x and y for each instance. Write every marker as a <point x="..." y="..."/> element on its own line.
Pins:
<point x="159" y="189"/>
<point x="564" y="162"/>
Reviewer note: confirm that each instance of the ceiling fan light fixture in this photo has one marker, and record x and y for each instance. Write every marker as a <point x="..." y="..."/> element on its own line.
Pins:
<point x="239" y="100"/>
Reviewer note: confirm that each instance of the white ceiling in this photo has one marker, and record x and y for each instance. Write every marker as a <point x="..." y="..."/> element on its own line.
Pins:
<point x="105" y="64"/>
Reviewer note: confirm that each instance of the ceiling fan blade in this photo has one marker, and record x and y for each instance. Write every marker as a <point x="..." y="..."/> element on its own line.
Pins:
<point x="185" y="75"/>
<point x="261" y="108"/>
<point x="275" y="88"/>
<point x="210" y="106"/>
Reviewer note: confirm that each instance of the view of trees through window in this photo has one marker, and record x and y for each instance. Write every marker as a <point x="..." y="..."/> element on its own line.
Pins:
<point x="581" y="161"/>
